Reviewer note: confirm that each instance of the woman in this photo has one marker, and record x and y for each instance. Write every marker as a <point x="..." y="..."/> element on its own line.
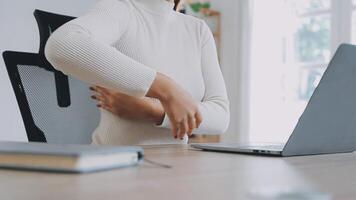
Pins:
<point x="156" y="71"/>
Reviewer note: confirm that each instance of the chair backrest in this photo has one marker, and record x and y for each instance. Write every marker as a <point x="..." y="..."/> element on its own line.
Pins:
<point x="54" y="107"/>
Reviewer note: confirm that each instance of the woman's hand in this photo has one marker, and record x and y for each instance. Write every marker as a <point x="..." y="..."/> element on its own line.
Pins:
<point x="180" y="107"/>
<point x="129" y="107"/>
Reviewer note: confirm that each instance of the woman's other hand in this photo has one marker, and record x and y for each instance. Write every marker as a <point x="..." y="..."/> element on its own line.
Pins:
<point x="125" y="106"/>
<point x="180" y="107"/>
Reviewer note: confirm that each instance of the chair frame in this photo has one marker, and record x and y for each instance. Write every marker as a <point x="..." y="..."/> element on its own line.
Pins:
<point x="47" y="23"/>
<point x="12" y="60"/>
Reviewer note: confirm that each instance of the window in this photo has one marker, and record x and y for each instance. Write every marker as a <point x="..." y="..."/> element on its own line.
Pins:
<point x="312" y="42"/>
<point x="292" y="43"/>
<point x="354" y="22"/>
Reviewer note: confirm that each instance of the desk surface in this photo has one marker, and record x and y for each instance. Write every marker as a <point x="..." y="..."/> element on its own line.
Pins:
<point x="195" y="175"/>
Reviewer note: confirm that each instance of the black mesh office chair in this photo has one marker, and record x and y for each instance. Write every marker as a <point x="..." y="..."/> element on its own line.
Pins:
<point x="55" y="108"/>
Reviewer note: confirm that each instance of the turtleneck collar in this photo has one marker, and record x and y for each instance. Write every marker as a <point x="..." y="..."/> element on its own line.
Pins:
<point x="158" y="6"/>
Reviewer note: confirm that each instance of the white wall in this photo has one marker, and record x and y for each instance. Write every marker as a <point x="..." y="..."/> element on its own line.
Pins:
<point x="231" y="64"/>
<point x="18" y="32"/>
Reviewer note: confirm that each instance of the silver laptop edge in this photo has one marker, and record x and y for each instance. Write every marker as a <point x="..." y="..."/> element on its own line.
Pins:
<point x="328" y="123"/>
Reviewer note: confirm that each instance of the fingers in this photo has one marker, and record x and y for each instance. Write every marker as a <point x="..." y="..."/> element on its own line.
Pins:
<point x="92" y="88"/>
<point x="174" y="130"/>
<point x="179" y="129"/>
<point x="97" y="97"/>
<point x="100" y="95"/>
<point x="192" y="124"/>
<point x="102" y="103"/>
<point x="101" y="90"/>
<point x="186" y="126"/>
<point x="183" y="129"/>
<point x="198" y="119"/>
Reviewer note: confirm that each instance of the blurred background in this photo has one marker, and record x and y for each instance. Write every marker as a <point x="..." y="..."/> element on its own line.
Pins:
<point x="272" y="54"/>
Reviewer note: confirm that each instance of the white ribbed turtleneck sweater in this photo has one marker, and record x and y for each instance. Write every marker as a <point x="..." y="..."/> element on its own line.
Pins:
<point x="121" y="44"/>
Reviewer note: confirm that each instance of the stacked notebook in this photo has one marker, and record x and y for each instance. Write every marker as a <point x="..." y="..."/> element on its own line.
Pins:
<point x="66" y="158"/>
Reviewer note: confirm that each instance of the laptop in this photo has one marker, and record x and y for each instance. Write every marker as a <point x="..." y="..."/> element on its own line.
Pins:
<point x="328" y="123"/>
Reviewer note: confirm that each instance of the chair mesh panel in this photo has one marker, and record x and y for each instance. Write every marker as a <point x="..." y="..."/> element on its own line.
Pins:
<point x="73" y="124"/>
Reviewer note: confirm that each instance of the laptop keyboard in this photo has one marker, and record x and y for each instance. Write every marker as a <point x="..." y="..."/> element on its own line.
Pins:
<point x="264" y="147"/>
<point x="270" y="147"/>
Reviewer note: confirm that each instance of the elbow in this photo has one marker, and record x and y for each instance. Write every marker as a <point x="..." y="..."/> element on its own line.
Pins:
<point x="219" y="123"/>
<point x="218" y="128"/>
<point x="54" y="51"/>
<point x="224" y="125"/>
<point x="60" y="48"/>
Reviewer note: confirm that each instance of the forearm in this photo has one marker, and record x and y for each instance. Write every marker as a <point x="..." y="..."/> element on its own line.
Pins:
<point x="161" y="87"/>
<point x="216" y="118"/>
<point x="72" y="51"/>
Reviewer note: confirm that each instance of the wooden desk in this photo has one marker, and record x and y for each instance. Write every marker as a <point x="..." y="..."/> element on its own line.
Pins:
<point x="195" y="175"/>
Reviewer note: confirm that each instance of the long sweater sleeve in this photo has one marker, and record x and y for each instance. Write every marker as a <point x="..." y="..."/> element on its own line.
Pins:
<point x="83" y="48"/>
<point x="214" y="106"/>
